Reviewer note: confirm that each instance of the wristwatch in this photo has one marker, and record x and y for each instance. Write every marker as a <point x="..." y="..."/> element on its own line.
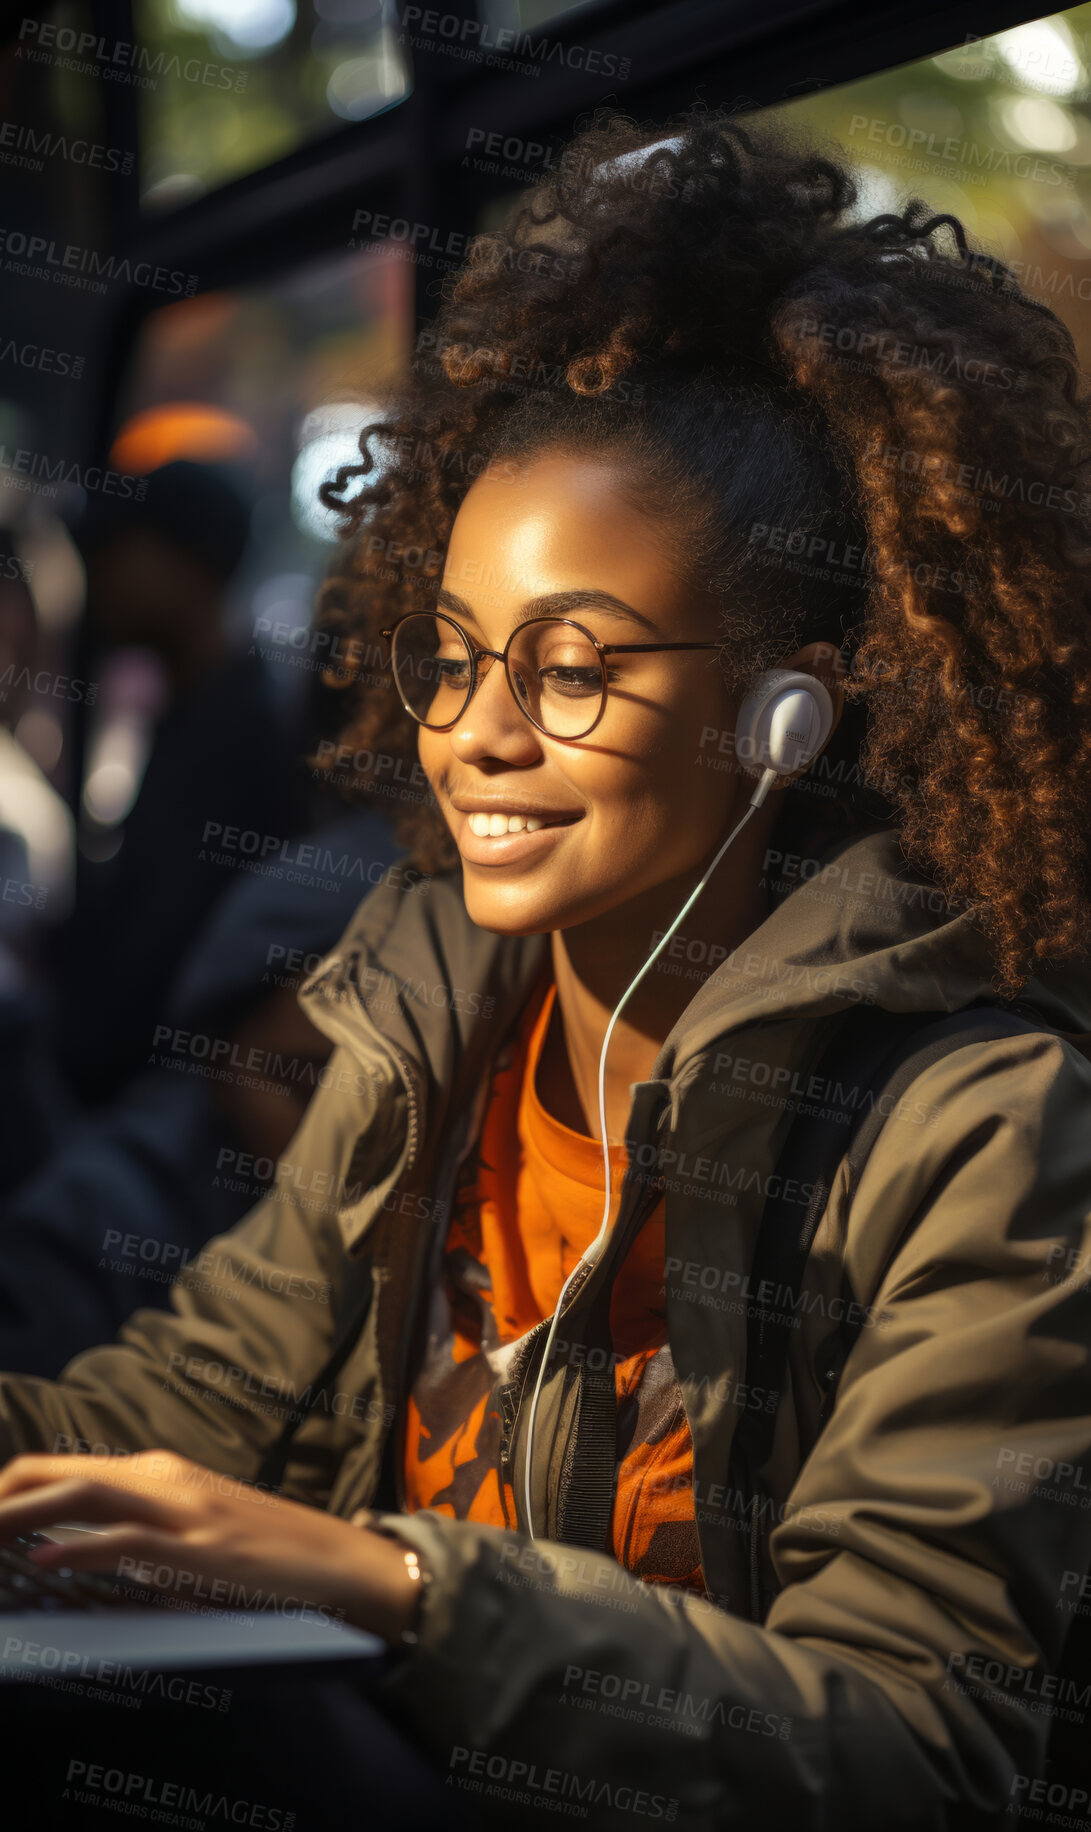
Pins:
<point x="420" y="1573"/>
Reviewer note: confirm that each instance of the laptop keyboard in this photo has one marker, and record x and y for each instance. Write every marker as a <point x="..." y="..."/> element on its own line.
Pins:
<point x="25" y="1586"/>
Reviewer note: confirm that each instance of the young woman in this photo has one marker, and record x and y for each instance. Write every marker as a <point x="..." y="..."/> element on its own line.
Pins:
<point x="690" y="418"/>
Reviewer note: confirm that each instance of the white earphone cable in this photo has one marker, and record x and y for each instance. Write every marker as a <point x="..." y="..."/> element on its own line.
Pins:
<point x="593" y="1252"/>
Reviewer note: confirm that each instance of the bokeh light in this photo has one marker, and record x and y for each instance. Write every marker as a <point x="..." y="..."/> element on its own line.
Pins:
<point x="1035" y="121"/>
<point x="181" y="429"/>
<point x="1043" y="55"/>
<point x="247" y="25"/>
<point x="328" y="438"/>
<point x="360" y="85"/>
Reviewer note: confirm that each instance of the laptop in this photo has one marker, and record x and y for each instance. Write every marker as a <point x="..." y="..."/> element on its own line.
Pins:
<point x="86" y="1625"/>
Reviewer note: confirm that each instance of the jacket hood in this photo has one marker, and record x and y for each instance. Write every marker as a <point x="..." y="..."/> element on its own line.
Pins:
<point x="416" y="986"/>
<point x="861" y="925"/>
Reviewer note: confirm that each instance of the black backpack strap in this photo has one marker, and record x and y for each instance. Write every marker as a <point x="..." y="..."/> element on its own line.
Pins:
<point x="873" y="1058"/>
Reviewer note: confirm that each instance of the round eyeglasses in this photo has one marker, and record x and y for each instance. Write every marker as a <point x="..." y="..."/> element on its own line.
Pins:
<point x="555" y="669"/>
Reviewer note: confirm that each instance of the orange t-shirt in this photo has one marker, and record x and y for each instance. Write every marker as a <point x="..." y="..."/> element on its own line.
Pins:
<point x="528" y="1203"/>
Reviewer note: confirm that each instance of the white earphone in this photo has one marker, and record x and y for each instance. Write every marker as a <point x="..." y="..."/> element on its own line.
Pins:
<point x="782" y="725"/>
<point x="783" y="722"/>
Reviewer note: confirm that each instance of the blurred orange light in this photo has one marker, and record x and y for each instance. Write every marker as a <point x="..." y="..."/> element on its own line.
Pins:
<point x="181" y="429"/>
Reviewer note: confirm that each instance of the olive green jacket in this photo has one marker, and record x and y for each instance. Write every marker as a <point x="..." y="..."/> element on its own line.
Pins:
<point x="932" y="1534"/>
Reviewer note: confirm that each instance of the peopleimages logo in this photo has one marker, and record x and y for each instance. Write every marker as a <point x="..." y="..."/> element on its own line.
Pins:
<point x="20" y="891"/>
<point x="300" y="861"/>
<point x="44" y="143"/>
<point x="482" y="41"/>
<point x="93" y="1784"/>
<point x="28" y="468"/>
<point x="42" y="357"/>
<point x="44" y="681"/>
<point x="120" y="60"/>
<point x="71" y="265"/>
<point x="527" y="1782"/>
<point x="642" y="1696"/>
<point x="981" y="161"/>
<point x="1069" y="1803"/>
<point x="875" y="351"/>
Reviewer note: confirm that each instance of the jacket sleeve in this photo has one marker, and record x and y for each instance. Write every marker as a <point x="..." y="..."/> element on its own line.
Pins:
<point x="253" y="1319"/>
<point x="929" y="1553"/>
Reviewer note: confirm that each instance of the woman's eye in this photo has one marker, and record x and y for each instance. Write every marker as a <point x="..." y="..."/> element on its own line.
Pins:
<point x="571" y="681"/>
<point x="452" y="673"/>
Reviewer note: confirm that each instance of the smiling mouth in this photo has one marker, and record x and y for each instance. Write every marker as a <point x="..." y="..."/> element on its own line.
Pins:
<point x="497" y="826"/>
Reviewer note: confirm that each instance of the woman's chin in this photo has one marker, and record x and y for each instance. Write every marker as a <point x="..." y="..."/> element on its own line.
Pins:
<point x="507" y="912"/>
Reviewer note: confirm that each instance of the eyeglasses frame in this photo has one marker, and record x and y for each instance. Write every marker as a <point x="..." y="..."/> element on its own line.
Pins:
<point x="501" y="655"/>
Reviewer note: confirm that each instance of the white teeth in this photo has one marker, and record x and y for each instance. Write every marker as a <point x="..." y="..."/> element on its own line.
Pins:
<point x="492" y="826"/>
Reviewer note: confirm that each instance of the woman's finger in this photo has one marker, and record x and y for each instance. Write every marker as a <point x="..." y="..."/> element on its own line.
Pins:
<point x="82" y="1498"/>
<point x="33" y="1469"/>
<point x="103" y="1551"/>
<point x="158" y="1471"/>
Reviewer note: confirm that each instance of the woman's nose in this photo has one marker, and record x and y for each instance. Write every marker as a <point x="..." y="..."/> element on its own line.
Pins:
<point x="491" y="724"/>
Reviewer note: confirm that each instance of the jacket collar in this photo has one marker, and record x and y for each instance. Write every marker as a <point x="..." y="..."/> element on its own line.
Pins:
<point x="422" y="996"/>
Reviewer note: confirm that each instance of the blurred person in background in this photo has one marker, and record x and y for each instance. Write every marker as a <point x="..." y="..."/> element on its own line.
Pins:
<point x="37" y="844"/>
<point x="123" y="1197"/>
<point x="223" y="756"/>
<point x="100" y="1204"/>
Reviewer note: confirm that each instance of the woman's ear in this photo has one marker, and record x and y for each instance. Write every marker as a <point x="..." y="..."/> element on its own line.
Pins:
<point x="827" y="663"/>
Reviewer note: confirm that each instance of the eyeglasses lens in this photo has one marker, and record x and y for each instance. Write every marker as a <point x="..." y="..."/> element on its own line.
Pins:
<point x="555" y="670"/>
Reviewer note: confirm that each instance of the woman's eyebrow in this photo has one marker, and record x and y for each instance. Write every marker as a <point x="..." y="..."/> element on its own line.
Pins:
<point x="555" y="604"/>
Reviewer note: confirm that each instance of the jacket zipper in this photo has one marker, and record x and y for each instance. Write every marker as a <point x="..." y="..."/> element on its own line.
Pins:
<point x="473" y="1115"/>
<point x="755" y="1581"/>
<point x="511" y="1400"/>
<point x="409" y="1081"/>
<point x="412" y="1103"/>
<point x="417" y="1296"/>
<point x="398" y="1056"/>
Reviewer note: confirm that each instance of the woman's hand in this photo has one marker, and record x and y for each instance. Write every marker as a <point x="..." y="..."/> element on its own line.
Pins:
<point x="173" y="1523"/>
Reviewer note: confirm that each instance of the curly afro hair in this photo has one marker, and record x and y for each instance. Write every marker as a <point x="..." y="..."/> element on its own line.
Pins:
<point x="857" y="430"/>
